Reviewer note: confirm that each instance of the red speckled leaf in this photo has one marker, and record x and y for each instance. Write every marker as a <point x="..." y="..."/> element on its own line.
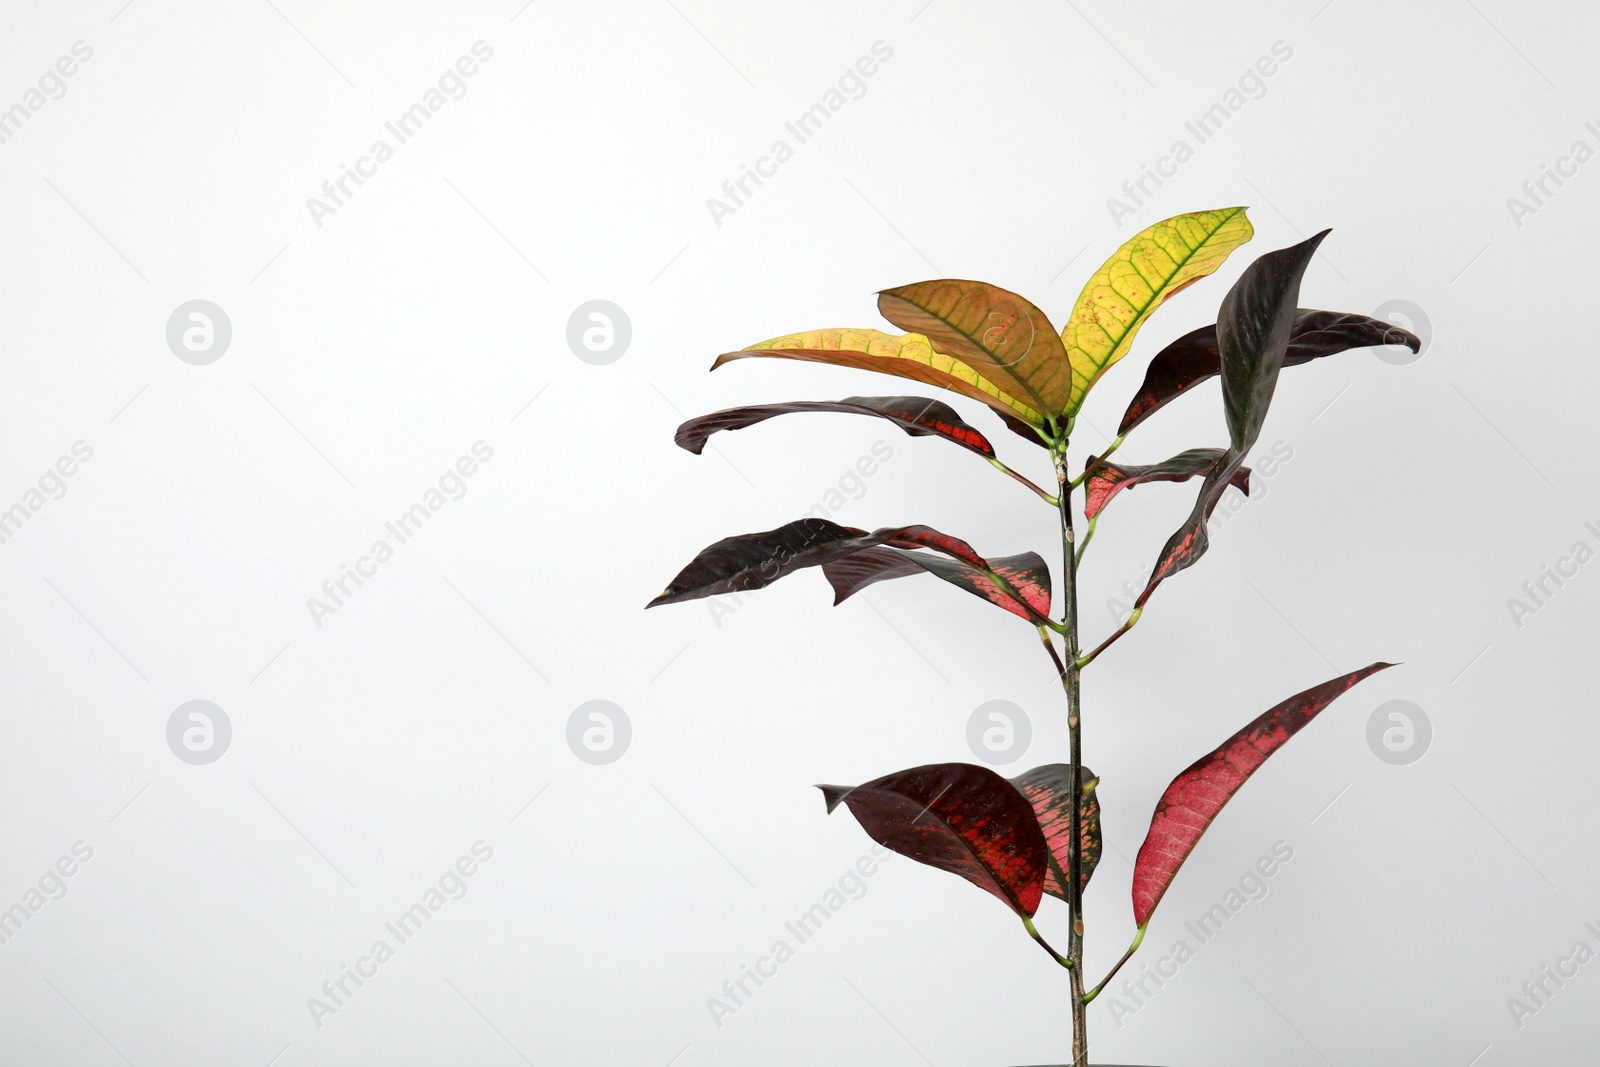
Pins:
<point x="959" y="818"/>
<point x="1027" y="573"/>
<point x="1193" y="358"/>
<point x="916" y="415"/>
<point x="1194" y="798"/>
<point x="753" y="561"/>
<point x="1047" y="790"/>
<point x="1109" y="478"/>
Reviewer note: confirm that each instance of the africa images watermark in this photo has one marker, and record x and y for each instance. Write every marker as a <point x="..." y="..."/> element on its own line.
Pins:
<point x="50" y="886"/>
<point x="1537" y="192"/>
<point x="51" y="485"/>
<point x="451" y="85"/>
<point x="850" y="486"/>
<point x="51" y="85"/>
<point x="1251" y="85"/>
<point x="451" y="885"/>
<point x="1266" y="467"/>
<point x="337" y="592"/>
<point x="1538" y="591"/>
<point x="851" y="885"/>
<point x="1539" y="991"/>
<point x="1252" y="887"/>
<point x="737" y="191"/>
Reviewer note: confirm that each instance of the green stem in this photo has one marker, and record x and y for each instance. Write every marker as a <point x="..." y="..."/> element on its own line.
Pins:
<point x="1069" y="681"/>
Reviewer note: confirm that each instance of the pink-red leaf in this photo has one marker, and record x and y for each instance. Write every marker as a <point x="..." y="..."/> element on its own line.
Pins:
<point x="1027" y="573"/>
<point x="959" y="818"/>
<point x="1048" y="791"/>
<point x="1109" y="478"/>
<point x="1194" y="798"/>
<point x="1193" y="358"/>
<point x="916" y="415"/>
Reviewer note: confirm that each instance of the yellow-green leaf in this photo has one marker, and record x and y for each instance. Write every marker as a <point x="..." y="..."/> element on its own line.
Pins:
<point x="1154" y="264"/>
<point x="995" y="331"/>
<point x="909" y="355"/>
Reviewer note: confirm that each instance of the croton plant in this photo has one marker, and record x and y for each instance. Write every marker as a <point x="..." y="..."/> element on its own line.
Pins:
<point x="1038" y="834"/>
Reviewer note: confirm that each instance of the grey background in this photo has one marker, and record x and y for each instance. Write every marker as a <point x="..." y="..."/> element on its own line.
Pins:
<point x="429" y="712"/>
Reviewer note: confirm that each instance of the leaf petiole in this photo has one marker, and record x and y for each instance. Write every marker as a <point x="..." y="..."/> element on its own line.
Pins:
<point x="1126" y="956"/>
<point x="1088" y="535"/>
<point x="1088" y="471"/>
<point x="1033" y="932"/>
<point x="1124" y="628"/>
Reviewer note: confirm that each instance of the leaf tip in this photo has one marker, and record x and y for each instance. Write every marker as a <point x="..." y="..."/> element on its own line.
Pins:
<point x="833" y="794"/>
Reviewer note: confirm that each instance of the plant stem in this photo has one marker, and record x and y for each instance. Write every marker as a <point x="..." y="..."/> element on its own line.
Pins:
<point x="1069" y="681"/>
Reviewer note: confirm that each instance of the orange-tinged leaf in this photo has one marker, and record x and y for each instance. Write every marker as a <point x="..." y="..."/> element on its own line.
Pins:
<point x="1153" y="265"/>
<point x="996" y="332"/>
<point x="909" y="355"/>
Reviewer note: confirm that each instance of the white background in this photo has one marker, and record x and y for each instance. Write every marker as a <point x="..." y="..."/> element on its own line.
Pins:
<point x="372" y="351"/>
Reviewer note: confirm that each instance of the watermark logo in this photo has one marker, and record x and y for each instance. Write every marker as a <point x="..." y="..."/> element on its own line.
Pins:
<point x="1404" y="313"/>
<point x="599" y="732"/>
<point x="451" y="485"/>
<point x="199" y="332"/>
<point x="737" y="992"/>
<point x="199" y="732"/>
<point x="450" y="886"/>
<point x="999" y="732"/>
<point x="52" y="485"/>
<point x="1539" y="590"/>
<point x="1251" y="887"/>
<point x="1540" y="990"/>
<point x="1251" y="85"/>
<point x="50" y="86"/>
<point x="451" y="85"/>
<point x="1537" y="192"/>
<point x="1399" y="732"/>
<point x="851" y="85"/>
<point x="599" y="332"/>
<point x="48" y="888"/>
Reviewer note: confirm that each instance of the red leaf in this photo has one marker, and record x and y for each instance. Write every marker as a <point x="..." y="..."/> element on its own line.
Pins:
<point x="1027" y="573"/>
<point x="1047" y="790"/>
<point x="959" y="818"/>
<point x="1194" y="798"/>
<point x="1109" y="478"/>
<point x="916" y="415"/>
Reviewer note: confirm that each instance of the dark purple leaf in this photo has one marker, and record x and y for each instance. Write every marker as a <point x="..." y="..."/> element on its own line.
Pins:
<point x="753" y="561"/>
<point x="1253" y="335"/>
<point x="916" y="415"/>
<point x="959" y="818"/>
<point x="1193" y="358"/>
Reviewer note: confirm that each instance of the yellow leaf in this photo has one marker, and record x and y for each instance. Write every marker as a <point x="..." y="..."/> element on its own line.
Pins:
<point x="1123" y="293"/>
<point x="908" y="355"/>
